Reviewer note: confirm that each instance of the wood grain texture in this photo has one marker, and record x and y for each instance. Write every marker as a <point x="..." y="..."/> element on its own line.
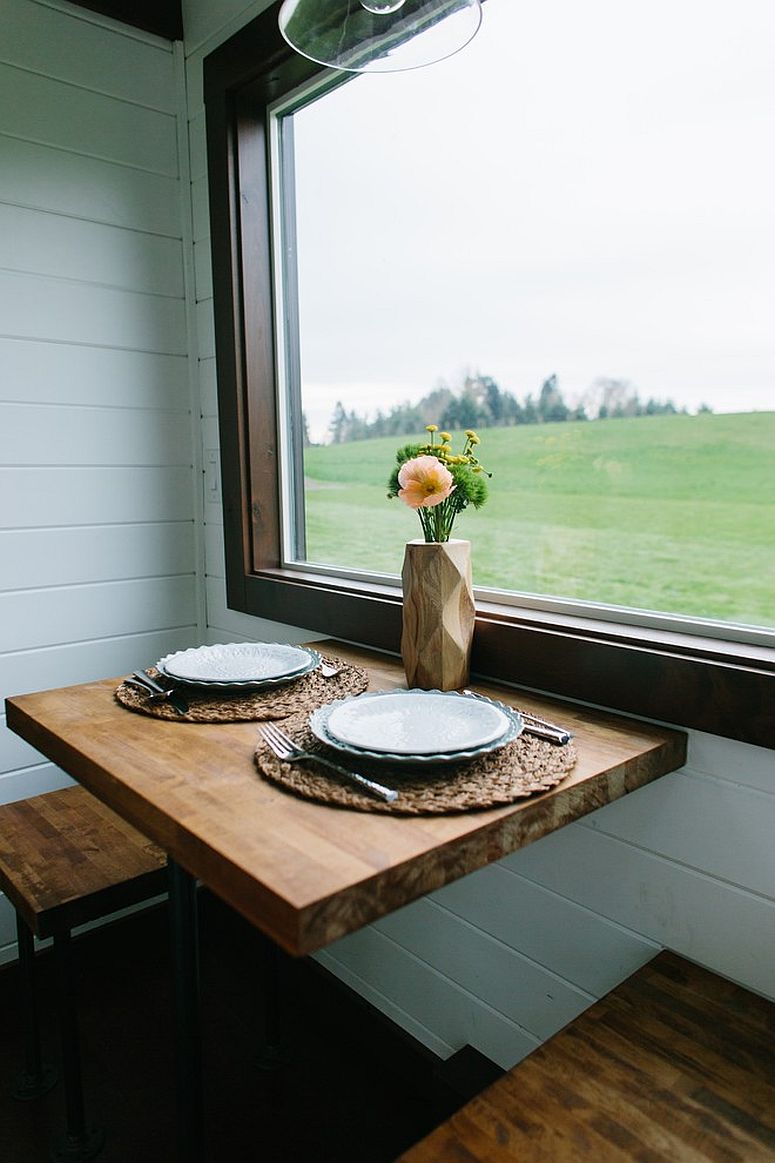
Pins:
<point x="675" y="1064"/>
<point x="66" y="859"/>
<point x="438" y="614"/>
<point x="303" y="873"/>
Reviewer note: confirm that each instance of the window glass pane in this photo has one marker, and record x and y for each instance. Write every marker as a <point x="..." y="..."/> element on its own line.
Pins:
<point x="563" y="238"/>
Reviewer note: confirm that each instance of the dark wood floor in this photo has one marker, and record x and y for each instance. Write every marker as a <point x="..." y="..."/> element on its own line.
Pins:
<point x="350" y="1087"/>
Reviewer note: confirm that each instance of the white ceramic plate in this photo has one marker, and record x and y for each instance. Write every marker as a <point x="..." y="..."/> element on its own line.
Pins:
<point x="416" y="726"/>
<point x="239" y="664"/>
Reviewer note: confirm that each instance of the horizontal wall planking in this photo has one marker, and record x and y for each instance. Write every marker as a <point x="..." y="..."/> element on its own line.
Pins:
<point x="200" y="210"/>
<point x="55" y="434"/>
<point x="38" y="372"/>
<point x="523" y="991"/>
<point x="411" y="1025"/>
<point x="15" y="754"/>
<point x="205" y="329"/>
<point x="34" y="497"/>
<point x="55" y="666"/>
<point x="203" y="275"/>
<point x="197" y="145"/>
<point x="730" y="931"/>
<point x="51" y="112"/>
<point x="581" y="946"/>
<point x="427" y="996"/>
<point x="32" y="307"/>
<point x="208" y="393"/>
<point x="30" y="558"/>
<point x="214" y="549"/>
<point x="738" y="762"/>
<point x="74" y="49"/>
<point x="54" y="617"/>
<point x="43" y="178"/>
<point x="39" y="242"/>
<point x="32" y="781"/>
<point x="707" y="824"/>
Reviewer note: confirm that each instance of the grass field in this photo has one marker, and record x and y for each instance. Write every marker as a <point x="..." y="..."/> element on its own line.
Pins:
<point x="670" y="513"/>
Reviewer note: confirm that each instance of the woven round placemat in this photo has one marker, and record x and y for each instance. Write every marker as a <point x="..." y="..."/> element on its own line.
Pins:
<point x="303" y="695"/>
<point x="522" y="768"/>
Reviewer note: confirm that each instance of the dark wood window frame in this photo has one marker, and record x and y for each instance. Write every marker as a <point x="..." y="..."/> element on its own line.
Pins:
<point x="725" y="688"/>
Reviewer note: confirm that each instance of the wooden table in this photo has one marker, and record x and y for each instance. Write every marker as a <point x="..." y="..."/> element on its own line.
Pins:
<point x="303" y="873"/>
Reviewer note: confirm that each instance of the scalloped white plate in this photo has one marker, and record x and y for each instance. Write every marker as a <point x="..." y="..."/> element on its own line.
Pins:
<point x="416" y="726"/>
<point x="238" y="664"/>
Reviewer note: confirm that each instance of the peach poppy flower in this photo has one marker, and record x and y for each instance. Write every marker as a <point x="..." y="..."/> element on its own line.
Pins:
<point x="424" y="482"/>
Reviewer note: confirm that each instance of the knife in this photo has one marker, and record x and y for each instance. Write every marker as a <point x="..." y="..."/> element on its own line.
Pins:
<point x="172" y="695"/>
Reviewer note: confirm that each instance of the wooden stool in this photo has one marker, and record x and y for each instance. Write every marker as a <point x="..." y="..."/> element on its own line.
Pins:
<point x="66" y="859"/>
<point x="676" y="1065"/>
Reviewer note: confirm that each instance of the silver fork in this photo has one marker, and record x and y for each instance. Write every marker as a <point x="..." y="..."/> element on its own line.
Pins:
<point x="290" y="752"/>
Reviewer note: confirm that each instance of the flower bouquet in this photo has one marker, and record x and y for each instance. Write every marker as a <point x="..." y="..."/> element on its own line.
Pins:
<point x="438" y="607"/>
<point x="438" y="483"/>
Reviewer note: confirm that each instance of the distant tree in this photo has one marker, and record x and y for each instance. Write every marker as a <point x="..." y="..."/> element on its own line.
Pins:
<point x="305" y="439"/>
<point x="551" y="406"/>
<point x="338" y="425"/>
<point x="704" y="409"/>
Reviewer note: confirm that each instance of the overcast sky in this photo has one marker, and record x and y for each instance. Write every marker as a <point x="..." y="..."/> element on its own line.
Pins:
<point x="587" y="189"/>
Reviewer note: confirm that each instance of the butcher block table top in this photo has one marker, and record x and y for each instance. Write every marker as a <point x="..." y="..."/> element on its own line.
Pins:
<point x="305" y="873"/>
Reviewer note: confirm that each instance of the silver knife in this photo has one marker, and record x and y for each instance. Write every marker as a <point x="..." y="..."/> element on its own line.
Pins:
<point x="172" y="695"/>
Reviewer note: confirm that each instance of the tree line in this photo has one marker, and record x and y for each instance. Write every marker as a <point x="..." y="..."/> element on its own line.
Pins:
<point x="481" y="403"/>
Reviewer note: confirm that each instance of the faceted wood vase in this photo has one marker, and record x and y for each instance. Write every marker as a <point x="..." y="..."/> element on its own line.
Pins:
<point x="438" y="621"/>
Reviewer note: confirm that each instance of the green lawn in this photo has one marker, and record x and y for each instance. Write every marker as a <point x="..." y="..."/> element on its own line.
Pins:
<point x="673" y="513"/>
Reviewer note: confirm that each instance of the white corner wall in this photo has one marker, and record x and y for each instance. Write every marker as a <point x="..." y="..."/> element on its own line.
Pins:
<point x="98" y="505"/>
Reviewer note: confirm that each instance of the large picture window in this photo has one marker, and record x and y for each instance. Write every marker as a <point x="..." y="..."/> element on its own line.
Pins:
<point x="558" y="246"/>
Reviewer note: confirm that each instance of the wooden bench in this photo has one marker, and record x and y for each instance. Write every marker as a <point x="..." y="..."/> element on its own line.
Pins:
<point x="66" y="859"/>
<point x="676" y="1065"/>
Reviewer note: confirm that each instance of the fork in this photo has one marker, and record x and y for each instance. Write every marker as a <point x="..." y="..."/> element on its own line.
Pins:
<point x="285" y="748"/>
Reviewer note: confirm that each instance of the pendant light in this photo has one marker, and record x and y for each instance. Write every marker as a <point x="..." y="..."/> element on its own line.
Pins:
<point x="379" y="36"/>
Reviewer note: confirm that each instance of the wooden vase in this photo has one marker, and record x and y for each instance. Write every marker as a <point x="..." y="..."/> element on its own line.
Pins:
<point x="438" y="614"/>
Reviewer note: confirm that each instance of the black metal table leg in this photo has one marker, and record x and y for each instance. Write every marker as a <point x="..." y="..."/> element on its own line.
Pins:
<point x="79" y="1142"/>
<point x="36" y="1077"/>
<point x="188" y="1040"/>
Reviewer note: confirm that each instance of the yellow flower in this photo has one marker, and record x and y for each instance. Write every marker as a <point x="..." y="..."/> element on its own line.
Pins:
<point x="431" y="427"/>
<point x="445" y="436"/>
<point x="424" y="482"/>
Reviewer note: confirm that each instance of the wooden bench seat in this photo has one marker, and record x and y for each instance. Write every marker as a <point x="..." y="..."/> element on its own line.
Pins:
<point x="65" y="860"/>
<point x="676" y="1064"/>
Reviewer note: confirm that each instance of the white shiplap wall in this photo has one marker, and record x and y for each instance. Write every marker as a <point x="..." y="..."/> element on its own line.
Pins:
<point x="98" y="511"/>
<point x="504" y="958"/>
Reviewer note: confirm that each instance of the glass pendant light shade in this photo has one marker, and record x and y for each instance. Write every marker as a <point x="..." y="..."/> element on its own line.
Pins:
<point x="379" y="36"/>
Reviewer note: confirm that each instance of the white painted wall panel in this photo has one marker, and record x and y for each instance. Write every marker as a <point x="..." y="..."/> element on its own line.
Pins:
<point x="43" y="243"/>
<point x="61" y="115"/>
<point x="427" y="997"/>
<point x="34" y="618"/>
<point x="70" y="312"/>
<point x="697" y="914"/>
<point x="98" y="495"/>
<point x="39" y="670"/>
<point x="86" y="496"/>
<point x="576" y="943"/>
<point x="52" y="43"/>
<point x="527" y="993"/>
<point x="704" y="823"/>
<point x="31" y="558"/>
<point x="40" y="372"/>
<point x="46" y="434"/>
<point x="68" y="183"/>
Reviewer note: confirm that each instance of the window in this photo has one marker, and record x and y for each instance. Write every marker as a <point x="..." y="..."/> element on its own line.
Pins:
<point x="279" y="564"/>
